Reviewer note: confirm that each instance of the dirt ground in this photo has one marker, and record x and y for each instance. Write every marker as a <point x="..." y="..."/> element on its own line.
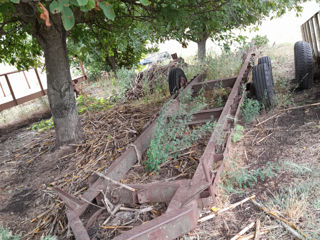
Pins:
<point x="286" y="144"/>
<point x="277" y="160"/>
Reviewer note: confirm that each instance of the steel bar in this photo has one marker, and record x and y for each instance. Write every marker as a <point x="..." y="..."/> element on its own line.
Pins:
<point x="168" y="226"/>
<point x="208" y="85"/>
<point x="11" y="90"/>
<point x="206" y="115"/>
<point x="145" y="193"/>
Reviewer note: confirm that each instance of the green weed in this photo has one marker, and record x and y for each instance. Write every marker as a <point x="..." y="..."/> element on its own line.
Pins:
<point x="7" y="235"/>
<point x="250" y="109"/>
<point x="173" y="134"/>
<point x="244" y="178"/>
<point x="238" y="133"/>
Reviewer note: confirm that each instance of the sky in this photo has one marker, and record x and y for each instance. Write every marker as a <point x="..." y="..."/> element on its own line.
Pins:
<point x="285" y="29"/>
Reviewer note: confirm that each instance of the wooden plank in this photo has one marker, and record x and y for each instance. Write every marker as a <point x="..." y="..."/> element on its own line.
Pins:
<point x="25" y="77"/>
<point x="11" y="90"/>
<point x="21" y="100"/>
<point x="4" y="94"/>
<point x="303" y="33"/>
<point x="317" y="29"/>
<point x="314" y="42"/>
<point x="309" y="35"/>
<point x="39" y="80"/>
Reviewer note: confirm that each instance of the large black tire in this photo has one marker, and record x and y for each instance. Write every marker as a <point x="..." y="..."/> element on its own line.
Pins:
<point x="262" y="81"/>
<point x="174" y="79"/>
<point x="267" y="60"/>
<point x="303" y="64"/>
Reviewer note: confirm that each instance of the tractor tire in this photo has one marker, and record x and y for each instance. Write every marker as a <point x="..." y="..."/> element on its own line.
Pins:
<point x="303" y="64"/>
<point x="174" y="79"/>
<point x="267" y="60"/>
<point x="262" y="81"/>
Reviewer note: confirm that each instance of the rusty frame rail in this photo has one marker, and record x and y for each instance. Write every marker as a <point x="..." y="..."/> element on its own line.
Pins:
<point x="185" y="198"/>
<point x="16" y="101"/>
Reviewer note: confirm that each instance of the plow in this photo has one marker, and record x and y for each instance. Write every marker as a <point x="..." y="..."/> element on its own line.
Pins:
<point x="184" y="198"/>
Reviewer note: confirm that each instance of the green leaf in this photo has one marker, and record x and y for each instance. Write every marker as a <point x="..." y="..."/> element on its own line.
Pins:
<point x="15" y="1"/>
<point x="67" y="18"/>
<point x="84" y="9"/>
<point x="107" y="10"/>
<point x="91" y="4"/>
<point x="82" y="2"/>
<point x="55" y="7"/>
<point x="145" y="2"/>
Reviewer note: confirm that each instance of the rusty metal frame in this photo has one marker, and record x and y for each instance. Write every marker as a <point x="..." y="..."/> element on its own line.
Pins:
<point x="185" y="198"/>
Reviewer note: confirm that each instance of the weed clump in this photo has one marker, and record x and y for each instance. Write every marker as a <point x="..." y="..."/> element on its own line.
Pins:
<point x="172" y="134"/>
<point x="250" y="109"/>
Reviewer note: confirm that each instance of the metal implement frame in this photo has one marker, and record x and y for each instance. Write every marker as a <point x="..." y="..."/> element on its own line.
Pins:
<point x="185" y="198"/>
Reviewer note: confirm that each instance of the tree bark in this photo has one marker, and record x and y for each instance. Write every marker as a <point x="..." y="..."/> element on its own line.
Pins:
<point x="60" y="91"/>
<point x="202" y="49"/>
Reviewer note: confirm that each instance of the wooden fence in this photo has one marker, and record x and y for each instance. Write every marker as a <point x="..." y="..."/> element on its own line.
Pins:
<point x="311" y="33"/>
<point x="16" y="101"/>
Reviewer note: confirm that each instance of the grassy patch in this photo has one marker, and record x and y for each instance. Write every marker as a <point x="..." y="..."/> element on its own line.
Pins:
<point x="85" y="104"/>
<point x="241" y="178"/>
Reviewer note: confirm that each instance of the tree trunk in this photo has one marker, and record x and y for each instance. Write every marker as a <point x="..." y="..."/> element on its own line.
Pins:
<point x="60" y="91"/>
<point x="202" y="49"/>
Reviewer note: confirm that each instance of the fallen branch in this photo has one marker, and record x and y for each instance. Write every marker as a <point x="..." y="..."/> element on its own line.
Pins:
<point x="243" y="231"/>
<point x="257" y="233"/>
<point x="232" y="206"/>
<point x="115" y="182"/>
<point x="285" y="223"/>
<point x="252" y="235"/>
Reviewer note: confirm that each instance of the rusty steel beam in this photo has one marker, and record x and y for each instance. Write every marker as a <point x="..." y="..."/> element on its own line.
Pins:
<point x="206" y="115"/>
<point x="208" y="85"/>
<point x="168" y="226"/>
<point x="144" y="193"/>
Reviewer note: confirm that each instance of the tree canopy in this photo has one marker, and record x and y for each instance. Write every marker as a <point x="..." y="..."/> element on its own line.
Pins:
<point x="113" y="29"/>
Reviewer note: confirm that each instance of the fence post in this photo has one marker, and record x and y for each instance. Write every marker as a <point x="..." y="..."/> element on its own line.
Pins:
<point x="11" y="90"/>
<point x="39" y="80"/>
